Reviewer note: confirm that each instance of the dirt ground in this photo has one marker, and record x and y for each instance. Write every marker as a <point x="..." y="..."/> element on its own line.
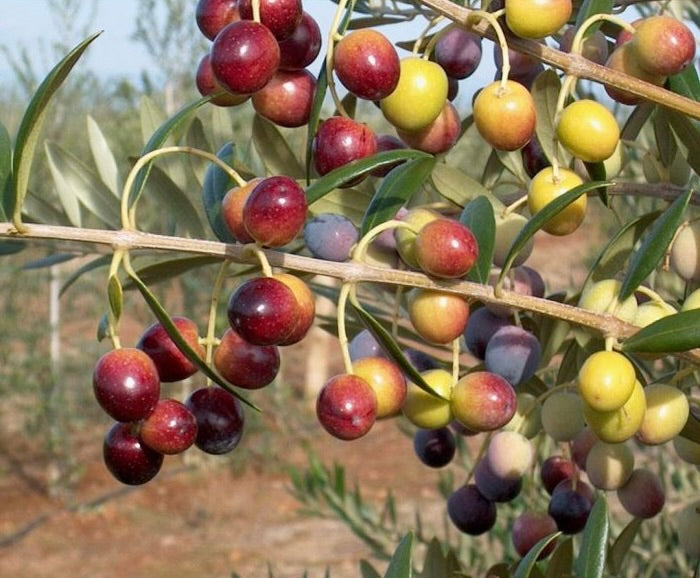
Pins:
<point x="203" y="520"/>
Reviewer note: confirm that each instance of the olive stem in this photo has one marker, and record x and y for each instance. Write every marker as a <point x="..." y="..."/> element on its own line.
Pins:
<point x="332" y="38"/>
<point x="345" y="291"/>
<point x="128" y="213"/>
<point x="211" y="340"/>
<point x="502" y="43"/>
<point x="578" y="40"/>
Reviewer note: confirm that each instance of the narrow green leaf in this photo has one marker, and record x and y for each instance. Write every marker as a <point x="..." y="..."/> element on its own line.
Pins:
<point x="636" y="121"/>
<point x="6" y="195"/>
<point x="688" y="134"/>
<point x="41" y="210"/>
<point x="103" y="157"/>
<point x="167" y="323"/>
<point x="597" y="172"/>
<point x="396" y="189"/>
<point x="665" y="142"/>
<point x="537" y="221"/>
<point x="33" y="120"/>
<point x="590" y="562"/>
<point x="72" y="176"/>
<point x="115" y="296"/>
<point x="159" y="137"/>
<point x="622" y="545"/>
<point x="216" y="183"/>
<point x="458" y="187"/>
<point x="274" y="150"/>
<point x="653" y="247"/>
<point x="590" y="8"/>
<point x="336" y="178"/>
<point x="545" y="93"/>
<point x="614" y="255"/>
<point x="67" y="195"/>
<point x="527" y="564"/>
<point x="513" y="161"/>
<point x="678" y="332"/>
<point x="49" y="261"/>
<point x="315" y="117"/>
<point x="197" y="137"/>
<point x="103" y="328"/>
<point x="691" y="429"/>
<point x="368" y="571"/>
<point x="686" y="83"/>
<point x="400" y="565"/>
<point x="180" y="207"/>
<point x="561" y="559"/>
<point x="387" y="342"/>
<point x="11" y="247"/>
<point x="102" y="261"/>
<point x="501" y="570"/>
<point x="478" y="216"/>
<point x="435" y="565"/>
<point x="349" y="202"/>
<point x="171" y="268"/>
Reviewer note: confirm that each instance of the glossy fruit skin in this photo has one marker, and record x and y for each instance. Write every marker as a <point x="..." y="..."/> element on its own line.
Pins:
<point x="643" y="495"/>
<point x="220" y="419"/>
<point x="581" y="446"/>
<point x="439" y="136"/>
<point x="438" y="317"/>
<point x="287" y="98"/>
<point x="207" y="84"/>
<point x="388" y="382"/>
<point x="483" y="401"/>
<point x="505" y="115"/>
<point x="570" y="510"/>
<point x="263" y="311"/>
<point x="523" y="67"/>
<point x="306" y="307"/>
<point x="434" y="447"/>
<point x="213" y="15"/>
<point x="275" y="211"/>
<point x="346" y="407"/>
<point x="667" y="411"/>
<point x="126" y="384"/>
<point x="493" y="487"/>
<point x="544" y="189"/>
<point x="425" y="410"/>
<point x="244" y="364"/>
<point x="529" y="528"/>
<point x="330" y="236"/>
<point x="419" y="96"/>
<point x="481" y="326"/>
<point x="623" y="59"/>
<point x="687" y="450"/>
<point x="527" y="419"/>
<point x="301" y="48"/>
<point x="171" y="363"/>
<point x="537" y="18"/>
<point x="170" y="429"/>
<point x="609" y="466"/>
<point x="588" y="131"/>
<point x="446" y="248"/>
<point x="621" y="424"/>
<point x="364" y="344"/>
<point x="606" y="380"/>
<point x="685" y="252"/>
<point x="563" y="416"/>
<point x="513" y="353"/>
<point x="232" y="210"/>
<point x="458" y="51"/>
<point x="663" y="45"/>
<point x="417" y="217"/>
<point x="510" y="454"/>
<point x="554" y="470"/>
<point x="471" y="512"/>
<point x="339" y="141"/>
<point x="127" y="458"/>
<point x="599" y="296"/>
<point x="280" y="16"/>
<point x="244" y="57"/>
<point x="367" y="64"/>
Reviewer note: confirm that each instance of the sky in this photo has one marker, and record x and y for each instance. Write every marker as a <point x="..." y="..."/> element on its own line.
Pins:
<point x="29" y="23"/>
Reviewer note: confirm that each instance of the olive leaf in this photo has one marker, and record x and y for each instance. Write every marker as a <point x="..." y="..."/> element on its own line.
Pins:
<point x="677" y="332"/>
<point x="590" y="562"/>
<point x="479" y="218"/>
